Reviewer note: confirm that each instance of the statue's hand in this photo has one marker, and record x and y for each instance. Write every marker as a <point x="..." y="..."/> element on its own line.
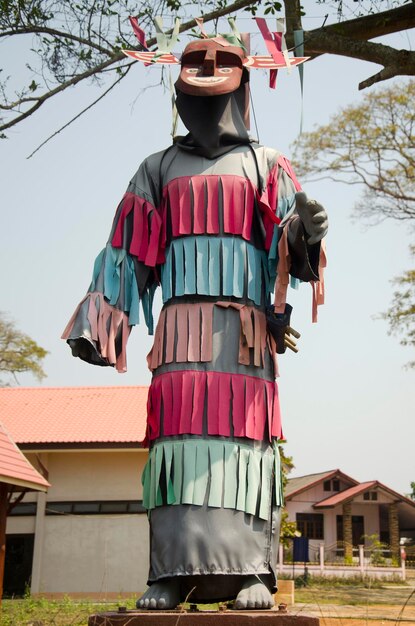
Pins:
<point x="80" y="348"/>
<point x="313" y="216"/>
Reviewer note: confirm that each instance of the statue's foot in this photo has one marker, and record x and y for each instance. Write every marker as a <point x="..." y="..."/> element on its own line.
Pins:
<point x="254" y="595"/>
<point x="161" y="595"/>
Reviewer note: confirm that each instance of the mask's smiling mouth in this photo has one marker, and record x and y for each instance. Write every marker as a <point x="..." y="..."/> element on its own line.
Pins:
<point x="206" y="79"/>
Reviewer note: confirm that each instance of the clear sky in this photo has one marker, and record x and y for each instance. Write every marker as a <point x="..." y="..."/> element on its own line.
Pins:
<point x="347" y="401"/>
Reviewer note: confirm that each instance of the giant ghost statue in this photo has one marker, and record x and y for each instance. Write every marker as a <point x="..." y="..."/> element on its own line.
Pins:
<point x="201" y="219"/>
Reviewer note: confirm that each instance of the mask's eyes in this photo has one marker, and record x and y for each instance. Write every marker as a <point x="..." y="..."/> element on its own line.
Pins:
<point x="192" y="70"/>
<point x="225" y="70"/>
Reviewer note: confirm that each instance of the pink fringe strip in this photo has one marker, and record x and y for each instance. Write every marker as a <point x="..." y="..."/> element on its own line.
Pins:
<point x="283" y="277"/>
<point x="287" y="167"/>
<point x="199" y="196"/>
<point x="244" y="406"/>
<point x="318" y="285"/>
<point x="194" y="204"/>
<point x="269" y="198"/>
<point x="283" y="272"/>
<point x="107" y="324"/>
<point x="148" y="238"/>
<point x="184" y="335"/>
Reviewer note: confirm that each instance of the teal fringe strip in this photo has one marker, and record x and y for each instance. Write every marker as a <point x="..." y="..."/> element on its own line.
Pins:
<point x="215" y="266"/>
<point x="114" y="275"/>
<point x="284" y="206"/>
<point x="228" y="475"/>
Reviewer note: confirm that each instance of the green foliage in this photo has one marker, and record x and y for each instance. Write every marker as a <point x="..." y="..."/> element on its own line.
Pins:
<point x="370" y="144"/>
<point x="412" y="495"/>
<point x="288" y="529"/>
<point x="377" y="549"/>
<point x="401" y="314"/>
<point x="18" y="352"/>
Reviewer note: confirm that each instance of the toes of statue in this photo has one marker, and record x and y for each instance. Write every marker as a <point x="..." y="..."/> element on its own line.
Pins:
<point x="254" y="595"/>
<point x="161" y="595"/>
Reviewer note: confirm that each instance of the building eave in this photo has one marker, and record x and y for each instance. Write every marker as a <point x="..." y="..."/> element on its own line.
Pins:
<point x="25" y="484"/>
<point x="327" y="476"/>
<point x="92" y="446"/>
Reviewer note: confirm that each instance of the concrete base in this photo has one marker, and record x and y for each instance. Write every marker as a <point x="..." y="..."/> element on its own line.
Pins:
<point x="285" y="592"/>
<point x="201" y="618"/>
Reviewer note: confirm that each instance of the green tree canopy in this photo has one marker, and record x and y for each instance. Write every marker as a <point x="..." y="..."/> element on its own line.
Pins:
<point x="18" y="352"/>
<point x="401" y="313"/>
<point x="371" y="144"/>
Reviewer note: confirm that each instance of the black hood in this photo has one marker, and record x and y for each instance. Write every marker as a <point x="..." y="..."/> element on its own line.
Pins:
<point x="215" y="123"/>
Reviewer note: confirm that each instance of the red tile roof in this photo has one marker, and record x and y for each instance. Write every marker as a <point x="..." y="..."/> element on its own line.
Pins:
<point x="15" y="469"/>
<point x="74" y="415"/>
<point x="347" y="494"/>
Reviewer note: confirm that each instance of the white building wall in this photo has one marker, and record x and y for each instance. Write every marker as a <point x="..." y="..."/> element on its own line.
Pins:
<point x="95" y="554"/>
<point x="370" y="512"/>
<point x="100" y="475"/>
<point x="89" y="554"/>
<point x="20" y="525"/>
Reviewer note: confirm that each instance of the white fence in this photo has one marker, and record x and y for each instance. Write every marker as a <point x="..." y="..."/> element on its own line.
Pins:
<point x="361" y="565"/>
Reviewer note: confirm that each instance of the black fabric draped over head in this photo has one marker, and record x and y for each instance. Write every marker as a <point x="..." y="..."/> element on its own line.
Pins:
<point x="215" y="123"/>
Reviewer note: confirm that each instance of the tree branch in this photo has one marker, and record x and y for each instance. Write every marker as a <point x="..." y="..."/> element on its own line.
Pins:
<point x="55" y="33"/>
<point x="395" y="62"/>
<point x="350" y="39"/>
<point x="78" y="115"/>
<point x="117" y="58"/>
<point x="376" y="25"/>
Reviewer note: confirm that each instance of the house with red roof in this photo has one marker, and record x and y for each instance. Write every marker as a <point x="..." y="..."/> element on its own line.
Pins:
<point x="86" y="534"/>
<point x="334" y="509"/>
<point x="17" y="476"/>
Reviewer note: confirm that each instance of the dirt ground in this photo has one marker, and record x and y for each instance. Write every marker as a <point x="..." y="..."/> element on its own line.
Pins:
<point x="357" y="606"/>
<point x="331" y="621"/>
<point x="357" y="615"/>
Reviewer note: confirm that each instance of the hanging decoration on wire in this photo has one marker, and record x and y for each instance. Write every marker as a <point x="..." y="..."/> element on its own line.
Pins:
<point x="275" y="43"/>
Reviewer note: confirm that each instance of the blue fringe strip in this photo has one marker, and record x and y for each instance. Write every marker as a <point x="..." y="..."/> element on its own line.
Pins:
<point x="215" y="266"/>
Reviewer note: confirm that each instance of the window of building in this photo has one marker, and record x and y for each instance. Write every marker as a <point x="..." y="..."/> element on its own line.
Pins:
<point x="114" y="507"/>
<point x="311" y="525"/>
<point x="24" y="508"/>
<point x="331" y="485"/>
<point x="370" y="495"/>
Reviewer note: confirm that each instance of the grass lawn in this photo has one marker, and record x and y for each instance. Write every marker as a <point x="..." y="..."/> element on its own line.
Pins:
<point x="41" y="612"/>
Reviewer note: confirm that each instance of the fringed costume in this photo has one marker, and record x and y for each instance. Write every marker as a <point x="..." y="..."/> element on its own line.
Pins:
<point x="200" y="220"/>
